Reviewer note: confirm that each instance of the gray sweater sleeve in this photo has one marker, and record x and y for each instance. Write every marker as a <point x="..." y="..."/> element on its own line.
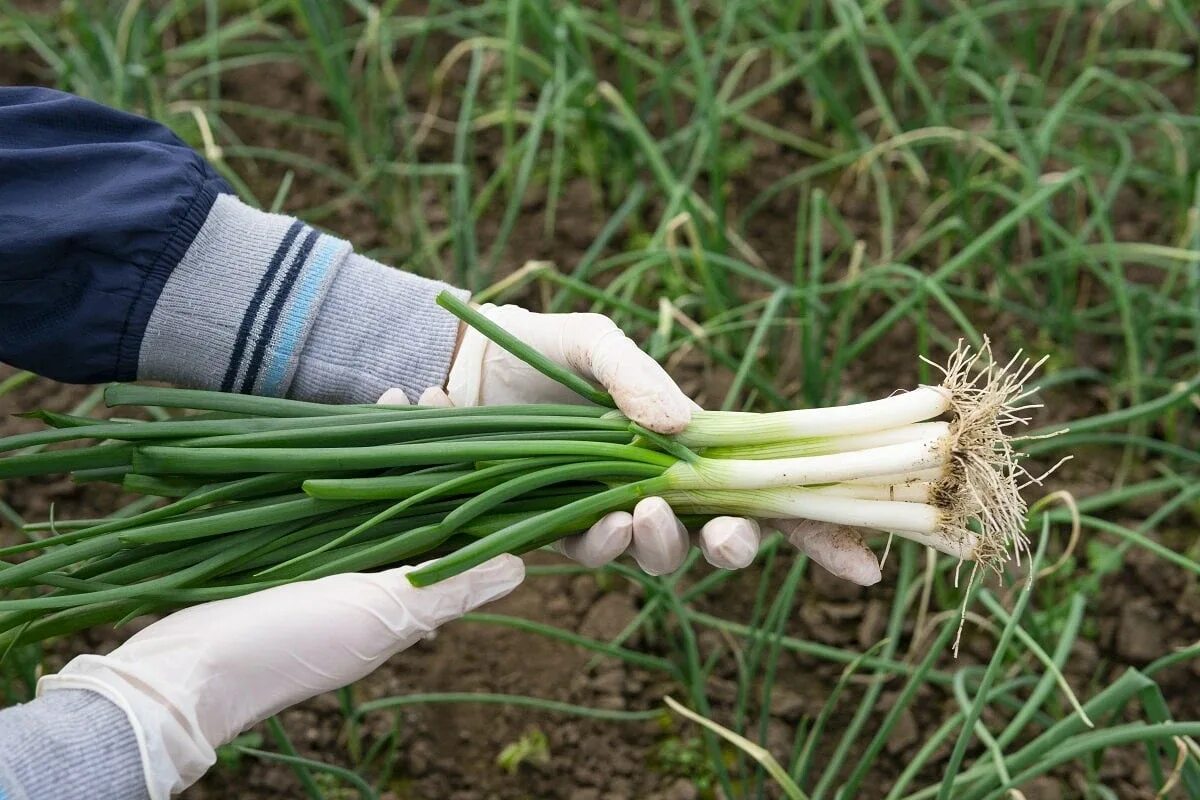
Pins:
<point x="70" y="744"/>
<point x="264" y="304"/>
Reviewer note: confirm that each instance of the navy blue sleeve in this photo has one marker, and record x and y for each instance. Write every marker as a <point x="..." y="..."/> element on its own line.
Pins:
<point x="97" y="207"/>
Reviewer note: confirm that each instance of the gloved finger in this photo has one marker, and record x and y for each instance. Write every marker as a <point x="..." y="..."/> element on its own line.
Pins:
<point x="602" y="543"/>
<point x="641" y="388"/>
<point x="435" y="396"/>
<point x="660" y="542"/>
<point x="409" y="612"/>
<point x="483" y="373"/>
<point x="593" y="346"/>
<point x="393" y="397"/>
<point x="838" y="548"/>
<point x="730" y="542"/>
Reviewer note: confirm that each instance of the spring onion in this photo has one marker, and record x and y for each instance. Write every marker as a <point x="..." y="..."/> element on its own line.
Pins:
<point x="260" y="491"/>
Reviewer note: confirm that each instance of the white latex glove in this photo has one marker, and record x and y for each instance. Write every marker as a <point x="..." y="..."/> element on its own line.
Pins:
<point x="591" y="345"/>
<point x="197" y="678"/>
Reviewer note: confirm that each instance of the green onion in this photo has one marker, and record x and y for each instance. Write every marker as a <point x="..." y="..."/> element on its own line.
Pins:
<point x="262" y="491"/>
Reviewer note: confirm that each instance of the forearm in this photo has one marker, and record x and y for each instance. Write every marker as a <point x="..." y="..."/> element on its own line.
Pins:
<point x="125" y="256"/>
<point x="69" y="745"/>
<point x="264" y="304"/>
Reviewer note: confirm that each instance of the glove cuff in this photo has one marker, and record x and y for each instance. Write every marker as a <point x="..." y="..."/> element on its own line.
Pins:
<point x="464" y="384"/>
<point x="174" y="752"/>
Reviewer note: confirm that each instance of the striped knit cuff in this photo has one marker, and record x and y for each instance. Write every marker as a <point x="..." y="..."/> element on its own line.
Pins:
<point x="237" y="311"/>
<point x="69" y="745"/>
<point x="379" y="329"/>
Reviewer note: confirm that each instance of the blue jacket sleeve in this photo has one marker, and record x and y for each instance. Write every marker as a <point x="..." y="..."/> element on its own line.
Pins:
<point x="96" y="208"/>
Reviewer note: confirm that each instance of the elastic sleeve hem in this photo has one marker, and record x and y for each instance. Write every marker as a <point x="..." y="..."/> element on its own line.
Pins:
<point x="155" y="277"/>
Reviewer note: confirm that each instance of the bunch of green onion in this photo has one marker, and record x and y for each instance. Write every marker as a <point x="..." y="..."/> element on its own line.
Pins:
<point x="263" y="491"/>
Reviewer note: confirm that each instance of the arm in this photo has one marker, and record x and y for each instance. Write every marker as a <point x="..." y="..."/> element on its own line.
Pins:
<point x="144" y="721"/>
<point x="69" y="745"/>
<point x="125" y="256"/>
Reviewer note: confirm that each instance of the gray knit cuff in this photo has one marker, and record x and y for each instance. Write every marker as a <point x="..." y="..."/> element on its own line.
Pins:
<point x="70" y="744"/>
<point x="238" y="309"/>
<point x="378" y="329"/>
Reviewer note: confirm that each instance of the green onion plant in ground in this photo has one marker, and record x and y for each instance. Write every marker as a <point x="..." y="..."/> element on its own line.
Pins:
<point x="271" y="490"/>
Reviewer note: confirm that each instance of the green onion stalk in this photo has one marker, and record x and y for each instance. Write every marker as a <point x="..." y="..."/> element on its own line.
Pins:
<point x="256" y="492"/>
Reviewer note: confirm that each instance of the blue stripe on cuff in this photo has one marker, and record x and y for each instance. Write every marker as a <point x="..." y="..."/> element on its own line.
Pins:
<point x="219" y="319"/>
<point x="298" y="316"/>
<point x="247" y="324"/>
<point x="282" y="294"/>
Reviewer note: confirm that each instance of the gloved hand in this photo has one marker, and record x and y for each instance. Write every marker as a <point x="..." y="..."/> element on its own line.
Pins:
<point x="194" y="680"/>
<point x="591" y="345"/>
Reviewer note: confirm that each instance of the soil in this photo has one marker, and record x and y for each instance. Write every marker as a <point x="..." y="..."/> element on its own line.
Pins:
<point x="449" y="752"/>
